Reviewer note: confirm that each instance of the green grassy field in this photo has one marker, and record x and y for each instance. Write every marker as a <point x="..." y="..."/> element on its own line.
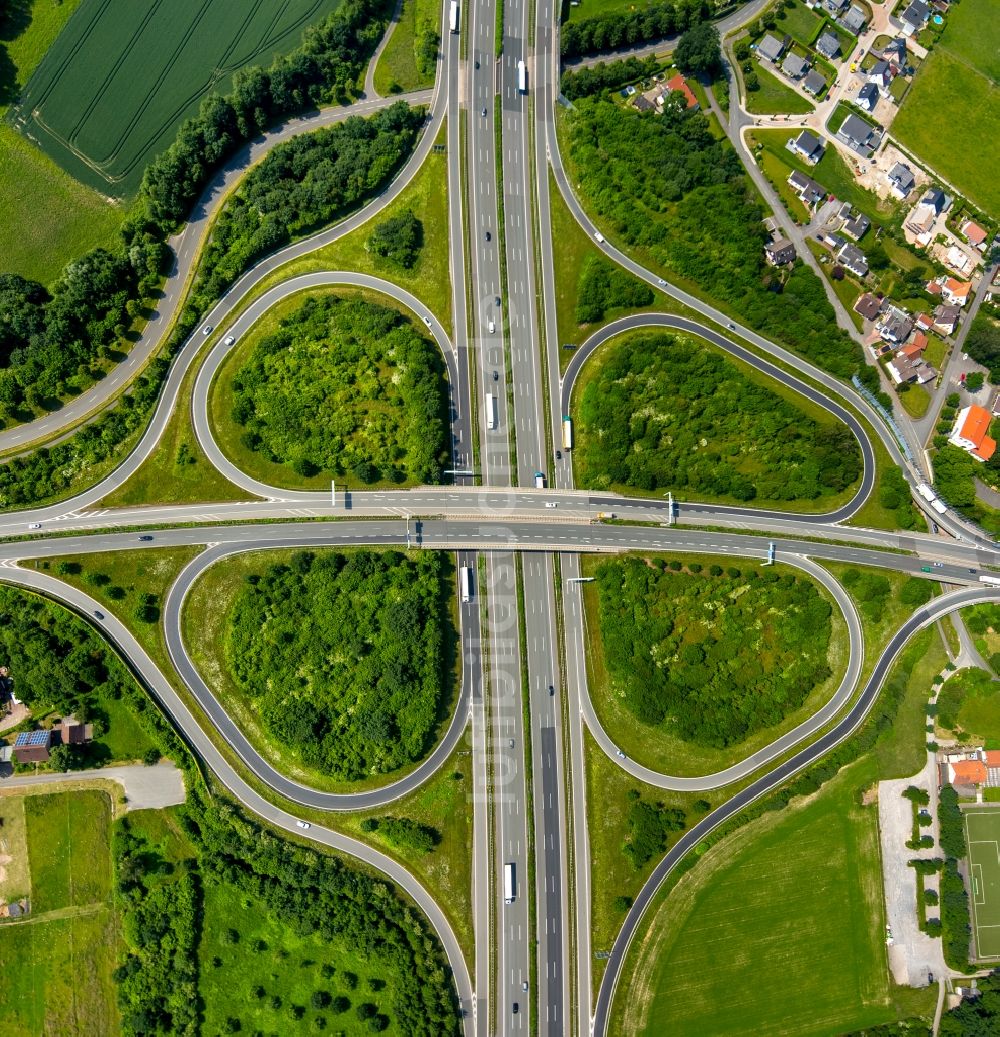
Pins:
<point x="157" y="62"/>
<point x="951" y="119"/>
<point x="801" y="23"/>
<point x="593" y="8"/>
<point x="48" y="217"/>
<point x="774" y="97"/>
<point x="397" y="68"/>
<point x="982" y="836"/>
<point x="15" y="880"/>
<point x="970" y="704"/>
<point x="58" y="967"/>
<point x="781" y="928"/>
<point x="972" y="33"/>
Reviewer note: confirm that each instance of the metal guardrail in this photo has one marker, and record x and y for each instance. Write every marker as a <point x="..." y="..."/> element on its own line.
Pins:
<point x="886" y="417"/>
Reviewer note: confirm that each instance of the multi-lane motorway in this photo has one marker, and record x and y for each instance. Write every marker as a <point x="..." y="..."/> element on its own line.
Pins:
<point x="524" y="687"/>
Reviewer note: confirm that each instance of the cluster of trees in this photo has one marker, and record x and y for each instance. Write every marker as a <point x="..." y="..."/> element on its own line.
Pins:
<point x="975" y="1017"/>
<point x="404" y="832"/>
<point x="305" y="183"/>
<point x="665" y="412"/>
<point x="713" y="659"/>
<point x="668" y="187"/>
<point x="983" y="619"/>
<point x="983" y="343"/>
<point x="971" y="683"/>
<point x="894" y="495"/>
<point x="344" y="656"/>
<point x="324" y="68"/>
<point x="954" y="898"/>
<point x="698" y="51"/>
<point x="58" y="663"/>
<point x="309" y="892"/>
<point x="425" y="46"/>
<point x="604" y="287"/>
<point x="620" y="29"/>
<point x="605" y="75"/>
<point x="650" y="826"/>
<point x="348" y="387"/>
<point x="48" y="337"/>
<point x="398" y="239"/>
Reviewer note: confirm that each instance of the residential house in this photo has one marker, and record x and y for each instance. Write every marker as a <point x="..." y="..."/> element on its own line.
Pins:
<point x="914" y="17"/>
<point x="643" y="104"/>
<point x="924" y="322"/>
<point x="921" y="220"/>
<point x="957" y="259"/>
<point x="807" y="145"/>
<point x="956" y="292"/>
<point x="679" y="85"/>
<point x="900" y="180"/>
<point x="895" y="50"/>
<point x="880" y="76"/>
<point x="902" y="369"/>
<point x="828" y="45"/>
<point x="851" y="258"/>
<point x="868" y="306"/>
<point x="770" y="48"/>
<point x="854" y="20"/>
<point x="32" y="746"/>
<point x="836" y="7"/>
<point x="867" y="97"/>
<point x="915" y="350"/>
<point x="814" y="83"/>
<point x="73" y="732"/>
<point x="805" y="187"/>
<point x="969" y="767"/>
<point x="855" y="224"/>
<point x="970" y="432"/>
<point x="779" y="252"/>
<point x="895" y="326"/>
<point x="946" y="319"/>
<point x="794" y="66"/>
<point x="974" y="235"/>
<point x="858" y="135"/>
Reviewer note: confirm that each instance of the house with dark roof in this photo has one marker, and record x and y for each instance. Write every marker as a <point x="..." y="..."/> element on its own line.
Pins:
<point x="858" y="135"/>
<point x="914" y="17"/>
<point x="828" y="45"/>
<point x="814" y="83"/>
<point x="855" y="224"/>
<point x="32" y="746"/>
<point x="895" y="50"/>
<point x="867" y="97"/>
<point x="770" y="48"/>
<point x="946" y="318"/>
<point x="805" y="187"/>
<point x="868" y="306"/>
<point x="806" y="145"/>
<point x="895" y="325"/>
<point x="851" y="258"/>
<point x="794" y="66"/>
<point x="900" y="180"/>
<point x="836" y="6"/>
<point x="880" y="75"/>
<point x="902" y="369"/>
<point x="643" y="104"/>
<point x="779" y="252"/>
<point x="854" y="20"/>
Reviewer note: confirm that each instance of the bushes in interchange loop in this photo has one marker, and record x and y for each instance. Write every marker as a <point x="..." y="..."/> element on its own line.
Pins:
<point x="345" y="386"/>
<point x="664" y="412"/>
<point x="344" y="656"/>
<point x="713" y="658"/>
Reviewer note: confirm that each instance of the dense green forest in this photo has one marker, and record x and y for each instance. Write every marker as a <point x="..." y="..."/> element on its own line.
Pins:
<point x="171" y="886"/>
<point x="666" y="185"/>
<point x="604" y="287"/>
<point x="619" y="29"/>
<point x="58" y="663"/>
<point x="345" y="656"/>
<point x="345" y="386"/>
<point x="715" y="657"/>
<point x="305" y="183"/>
<point x="665" y="412"/>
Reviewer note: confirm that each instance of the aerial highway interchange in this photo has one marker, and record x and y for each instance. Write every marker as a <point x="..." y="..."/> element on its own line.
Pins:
<point x="528" y="754"/>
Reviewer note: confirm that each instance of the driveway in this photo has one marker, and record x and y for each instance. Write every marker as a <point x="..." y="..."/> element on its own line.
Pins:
<point x="146" y="788"/>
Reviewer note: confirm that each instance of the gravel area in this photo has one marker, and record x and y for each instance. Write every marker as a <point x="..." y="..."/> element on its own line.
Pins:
<point x="145" y="787"/>
<point x="912" y="954"/>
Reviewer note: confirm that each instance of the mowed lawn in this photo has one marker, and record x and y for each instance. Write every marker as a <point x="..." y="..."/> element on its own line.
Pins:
<point x="774" y="97"/>
<point x="48" y="217"/>
<point x="951" y="120"/>
<point x="777" y="932"/>
<point x="58" y="969"/>
<point x="973" y="34"/>
<point x="111" y="91"/>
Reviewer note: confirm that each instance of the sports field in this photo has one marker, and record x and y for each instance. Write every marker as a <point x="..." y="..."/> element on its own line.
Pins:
<point x="112" y="89"/>
<point x="982" y="835"/>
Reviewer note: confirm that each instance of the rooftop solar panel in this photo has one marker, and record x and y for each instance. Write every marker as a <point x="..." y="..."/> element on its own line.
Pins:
<point x="32" y="738"/>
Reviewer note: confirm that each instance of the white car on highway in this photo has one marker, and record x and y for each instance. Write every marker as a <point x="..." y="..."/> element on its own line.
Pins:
<point x="229" y="340"/>
<point x="303" y="824"/>
<point x="207" y="329"/>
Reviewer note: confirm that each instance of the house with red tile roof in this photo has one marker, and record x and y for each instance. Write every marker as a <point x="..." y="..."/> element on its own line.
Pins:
<point x="677" y="83"/>
<point x="967" y="772"/>
<point x="956" y="292"/>
<point x="970" y="433"/>
<point x="974" y="234"/>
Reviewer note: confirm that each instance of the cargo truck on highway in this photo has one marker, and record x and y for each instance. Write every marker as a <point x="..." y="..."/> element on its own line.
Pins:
<point x="567" y="433"/>
<point x="539" y="480"/>
<point x="929" y="495"/>
<point x="508" y="883"/>
<point x="454" y="15"/>
<point x="491" y="411"/>
<point x="466" y="583"/>
<point x="522" y="77"/>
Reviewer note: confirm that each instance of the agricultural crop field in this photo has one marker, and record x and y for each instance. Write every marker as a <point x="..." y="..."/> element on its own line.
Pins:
<point x="154" y="63"/>
<point x="982" y="835"/>
<point x="951" y="116"/>
<point x="58" y="966"/>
